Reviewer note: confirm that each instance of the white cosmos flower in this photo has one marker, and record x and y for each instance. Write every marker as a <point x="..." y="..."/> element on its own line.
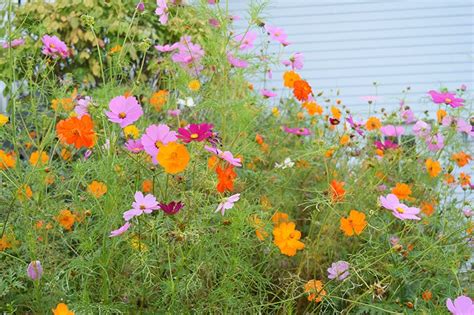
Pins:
<point x="189" y="102"/>
<point x="287" y="163"/>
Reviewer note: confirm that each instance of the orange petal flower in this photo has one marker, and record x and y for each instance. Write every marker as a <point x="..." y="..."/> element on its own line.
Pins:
<point x="78" y="132"/>
<point x="38" y="158"/>
<point x="433" y="167"/>
<point x="62" y="309"/>
<point x="354" y="224"/>
<point x="289" y="78"/>
<point x="174" y="157"/>
<point x="302" y="90"/>
<point x="286" y="237"/>
<point x="97" y="189"/>
<point x="402" y="191"/>
<point x="66" y="219"/>
<point x="337" y="191"/>
<point x="7" y="160"/>
<point x="315" y="290"/>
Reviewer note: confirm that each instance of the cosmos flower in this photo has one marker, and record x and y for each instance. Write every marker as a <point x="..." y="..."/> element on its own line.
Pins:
<point x="287" y="163"/>
<point x="188" y="102"/>
<point x="134" y="146"/>
<point x="462" y="305"/>
<point x="62" y="309"/>
<point x="188" y="54"/>
<point x="142" y="204"/>
<point x="387" y="144"/>
<point x="287" y="238"/>
<point x="54" y="47"/>
<point x="277" y="34"/>
<point x="295" y="61"/>
<point x="408" y="116"/>
<point x="267" y="93"/>
<point x="245" y="41"/>
<point x="162" y="11"/>
<point x="421" y="129"/>
<point x="171" y="208"/>
<point x="34" y="270"/>
<point x="297" y="131"/>
<point x="448" y="98"/>
<point x="339" y="270"/>
<point x="399" y="210"/>
<point x="14" y="43"/>
<point x="354" y="224"/>
<point x="227" y="203"/>
<point x="81" y="108"/>
<point x="124" y="110"/>
<point x="435" y="142"/>
<point x="392" y="131"/>
<point x="356" y="125"/>
<point x="166" y="48"/>
<point x="225" y="155"/>
<point x="154" y="137"/>
<point x="77" y="131"/>
<point x="195" y="132"/>
<point x="173" y="157"/>
<point x="120" y="230"/>
<point x="235" y="62"/>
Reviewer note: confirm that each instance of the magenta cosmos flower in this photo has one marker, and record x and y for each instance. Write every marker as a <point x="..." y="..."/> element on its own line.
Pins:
<point x="267" y="93"/>
<point x="34" y="270"/>
<point x="387" y="144"/>
<point x="195" y="132"/>
<point x="462" y="305"/>
<point x="124" y="110"/>
<point x="295" y="61"/>
<point x="162" y="11"/>
<point x="142" y="204"/>
<point x="277" y="34"/>
<point x="236" y="62"/>
<point x="15" y="43"/>
<point x="228" y="203"/>
<point x="399" y="210"/>
<point x="120" y="230"/>
<point x="134" y="146"/>
<point x="297" y="131"/>
<point x="392" y="131"/>
<point x="225" y="155"/>
<point x="155" y="136"/>
<point x="167" y="47"/>
<point x="339" y="270"/>
<point x="54" y="47"/>
<point x="245" y="41"/>
<point x="172" y="207"/>
<point x="447" y="98"/>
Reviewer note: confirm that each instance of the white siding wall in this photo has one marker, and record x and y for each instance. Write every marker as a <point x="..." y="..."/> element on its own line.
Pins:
<point x="350" y="44"/>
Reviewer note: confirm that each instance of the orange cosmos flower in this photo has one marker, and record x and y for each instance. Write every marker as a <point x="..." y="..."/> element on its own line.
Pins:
<point x="464" y="179"/>
<point x="279" y="217"/>
<point x="287" y="238"/>
<point x="147" y="186"/>
<point x="38" y="158"/>
<point x="373" y="123"/>
<point x="354" y="224"/>
<point x="336" y="112"/>
<point x="62" y="309"/>
<point x="345" y="139"/>
<point x="440" y="114"/>
<point x="97" y="189"/>
<point x="433" y="167"/>
<point x="212" y="162"/>
<point x="66" y="219"/>
<point x="174" y="157"/>
<point x="302" y="90"/>
<point x="78" y="132"/>
<point x="315" y="290"/>
<point x="448" y="178"/>
<point x="259" y="228"/>
<point x="426" y="295"/>
<point x="313" y="108"/>
<point x="337" y="191"/>
<point x="402" y="191"/>
<point x="427" y="208"/>
<point x="7" y="160"/>
<point x="194" y="85"/>
<point x="66" y="154"/>
<point x="115" y="49"/>
<point x="226" y="178"/>
<point x="24" y="192"/>
<point x="461" y="158"/>
<point x="289" y="78"/>
<point x="158" y="99"/>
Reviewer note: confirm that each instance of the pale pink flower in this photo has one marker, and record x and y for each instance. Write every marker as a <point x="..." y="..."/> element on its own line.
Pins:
<point x="142" y="204"/>
<point x="245" y="41"/>
<point x="124" y="110"/>
<point x="277" y="34"/>
<point x="227" y="204"/>
<point x="399" y="210"/>
<point x="225" y="155"/>
<point x="154" y="137"/>
<point x="15" y="43"/>
<point x="120" y="230"/>
<point x="392" y="131"/>
<point x="267" y="93"/>
<point x="295" y="61"/>
<point x="162" y="11"/>
<point x="462" y="306"/>
<point x="235" y="62"/>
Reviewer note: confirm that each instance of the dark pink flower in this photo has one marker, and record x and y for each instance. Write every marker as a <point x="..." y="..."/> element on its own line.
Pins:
<point x="297" y="131"/>
<point x="387" y="144"/>
<point x="195" y="132"/>
<point x="140" y="6"/>
<point x="172" y="207"/>
<point x="124" y="110"/>
<point x="54" y="47"/>
<point x="447" y="98"/>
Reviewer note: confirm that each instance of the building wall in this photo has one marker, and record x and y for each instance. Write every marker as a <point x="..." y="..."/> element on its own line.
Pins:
<point x="348" y="45"/>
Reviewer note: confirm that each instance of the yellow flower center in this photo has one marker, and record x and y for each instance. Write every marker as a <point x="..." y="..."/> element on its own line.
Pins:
<point x="142" y="207"/>
<point x="448" y="100"/>
<point x="158" y="144"/>
<point x="52" y="46"/>
<point x="194" y="136"/>
<point x="400" y="210"/>
<point x="122" y="115"/>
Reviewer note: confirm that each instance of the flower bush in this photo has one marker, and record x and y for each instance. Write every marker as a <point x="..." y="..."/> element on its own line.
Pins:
<point x="194" y="193"/>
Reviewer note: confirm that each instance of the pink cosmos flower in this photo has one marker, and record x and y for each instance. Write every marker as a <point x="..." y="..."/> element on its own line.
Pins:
<point x="195" y="132"/>
<point x="245" y="41"/>
<point x="448" y="98"/>
<point x="392" y="131"/>
<point x="162" y="11"/>
<point x="214" y="23"/>
<point x="34" y="270"/>
<point x="267" y="93"/>
<point x="460" y="124"/>
<point x="134" y="146"/>
<point x="467" y="212"/>
<point x="462" y="305"/>
<point x="277" y="34"/>
<point x="54" y="47"/>
<point x="172" y="207"/>
<point x="387" y="144"/>
<point x="356" y="125"/>
<point x="422" y="129"/>
<point x="228" y="203"/>
<point x="399" y="210"/>
<point x="142" y="204"/>
<point x="15" y="43"/>
<point x="81" y="108"/>
<point x="297" y="131"/>
<point x="225" y="155"/>
<point x="339" y="270"/>
<point x="189" y="54"/>
<point x="87" y="154"/>
<point x="235" y="62"/>
<point x="408" y="116"/>
<point x="212" y="1"/>
<point x="120" y="230"/>
<point x="295" y="61"/>
<point x="167" y="47"/>
<point x="435" y="142"/>
<point x="174" y="112"/>
<point x="155" y="136"/>
<point x="124" y="110"/>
